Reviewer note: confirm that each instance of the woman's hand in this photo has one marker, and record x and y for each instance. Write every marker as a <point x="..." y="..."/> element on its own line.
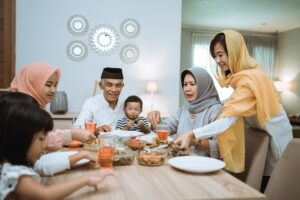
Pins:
<point x="82" y="135"/>
<point x="154" y="118"/>
<point x="103" y="128"/>
<point x="185" y="140"/>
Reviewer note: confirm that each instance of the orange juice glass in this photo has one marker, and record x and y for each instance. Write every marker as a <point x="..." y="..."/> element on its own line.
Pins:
<point x="90" y="127"/>
<point x="162" y="132"/>
<point x="106" y="153"/>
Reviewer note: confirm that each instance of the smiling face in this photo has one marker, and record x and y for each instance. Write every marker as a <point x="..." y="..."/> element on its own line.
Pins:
<point x="133" y="110"/>
<point x="50" y="88"/>
<point x="221" y="57"/>
<point x="111" y="89"/>
<point x="190" y="88"/>
<point x="37" y="147"/>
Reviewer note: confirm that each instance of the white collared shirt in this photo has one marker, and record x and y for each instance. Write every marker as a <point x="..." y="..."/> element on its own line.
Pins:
<point x="97" y="109"/>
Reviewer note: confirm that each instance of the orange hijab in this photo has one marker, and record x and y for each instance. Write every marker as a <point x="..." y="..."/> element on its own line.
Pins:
<point x="254" y="94"/>
<point x="32" y="78"/>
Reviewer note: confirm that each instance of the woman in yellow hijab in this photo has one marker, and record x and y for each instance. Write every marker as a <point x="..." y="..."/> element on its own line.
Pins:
<point x="254" y="101"/>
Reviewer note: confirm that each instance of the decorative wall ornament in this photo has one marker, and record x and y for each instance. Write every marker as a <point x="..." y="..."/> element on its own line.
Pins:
<point x="78" y="25"/>
<point x="130" y="28"/>
<point x="129" y="54"/>
<point x="104" y="39"/>
<point x="77" y="50"/>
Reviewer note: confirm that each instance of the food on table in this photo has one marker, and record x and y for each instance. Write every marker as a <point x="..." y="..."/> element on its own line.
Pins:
<point x="152" y="157"/>
<point x="91" y="145"/>
<point x="135" y="144"/>
<point x="123" y="156"/>
<point x="175" y="150"/>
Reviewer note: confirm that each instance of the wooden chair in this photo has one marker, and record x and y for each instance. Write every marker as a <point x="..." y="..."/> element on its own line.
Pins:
<point x="285" y="179"/>
<point x="257" y="143"/>
<point x="95" y="87"/>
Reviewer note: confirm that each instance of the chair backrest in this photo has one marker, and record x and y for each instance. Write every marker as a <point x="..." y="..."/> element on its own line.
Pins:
<point x="285" y="179"/>
<point x="257" y="143"/>
<point x="95" y="87"/>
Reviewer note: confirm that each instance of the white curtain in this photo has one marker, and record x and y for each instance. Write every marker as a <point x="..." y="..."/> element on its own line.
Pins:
<point x="262" y="47"/>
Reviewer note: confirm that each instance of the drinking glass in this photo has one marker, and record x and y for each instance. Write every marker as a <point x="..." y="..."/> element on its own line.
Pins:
<point x="162" y="133"/>
<point x="106" y="152"/>
<point x="90" y="126"/>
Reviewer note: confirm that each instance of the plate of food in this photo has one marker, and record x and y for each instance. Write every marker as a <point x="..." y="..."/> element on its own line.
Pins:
<point x="121" y="133"/>
<point x="196" y="164"/>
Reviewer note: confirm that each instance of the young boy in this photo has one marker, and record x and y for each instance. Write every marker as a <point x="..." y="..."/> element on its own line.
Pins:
<point x="133" y="122"/>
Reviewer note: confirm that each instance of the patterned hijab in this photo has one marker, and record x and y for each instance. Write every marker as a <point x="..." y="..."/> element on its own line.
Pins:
<point x="32" y="78"/>
<point x="207" y="94"/>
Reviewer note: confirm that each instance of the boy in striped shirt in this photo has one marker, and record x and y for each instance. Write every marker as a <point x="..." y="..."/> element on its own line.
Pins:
<point x="133" y="107"/>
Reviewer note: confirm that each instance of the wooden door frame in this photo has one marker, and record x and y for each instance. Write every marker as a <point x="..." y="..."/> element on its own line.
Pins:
<point x="8" y="44"/>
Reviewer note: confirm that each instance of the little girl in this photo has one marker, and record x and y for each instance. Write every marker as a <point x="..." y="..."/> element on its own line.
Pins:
<point x="23" y="130"/>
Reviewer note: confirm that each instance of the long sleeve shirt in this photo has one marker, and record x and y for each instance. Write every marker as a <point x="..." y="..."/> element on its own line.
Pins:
<point x="97" y="109"/>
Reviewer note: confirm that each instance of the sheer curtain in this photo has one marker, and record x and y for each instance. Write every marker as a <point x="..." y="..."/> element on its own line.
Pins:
<point x="262" y="47"/>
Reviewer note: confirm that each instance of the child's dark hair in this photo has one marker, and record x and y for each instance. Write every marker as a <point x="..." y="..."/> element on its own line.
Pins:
<point x="219" y="38"/>
<point x="19" y="123"/>
<point x="133" y="98"/>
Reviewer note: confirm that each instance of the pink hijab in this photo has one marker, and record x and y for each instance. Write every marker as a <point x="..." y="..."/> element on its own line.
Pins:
<point x="32" y="78"/>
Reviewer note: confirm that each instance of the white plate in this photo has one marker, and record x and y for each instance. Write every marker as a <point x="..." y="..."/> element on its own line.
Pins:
<point x="51" y="157"/>
<point x="150" y="137"/>
<point x="121" y="133"/>
<point x="196" y="164"/>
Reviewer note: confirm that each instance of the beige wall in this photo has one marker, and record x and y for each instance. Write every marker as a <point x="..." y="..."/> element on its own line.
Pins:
<point x="289" y="68"/>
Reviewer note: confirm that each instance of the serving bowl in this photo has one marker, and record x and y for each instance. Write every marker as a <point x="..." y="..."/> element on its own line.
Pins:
<point x="149" y="157"/>
<point x="135" y="144"/>
<point x="123" y="156"/>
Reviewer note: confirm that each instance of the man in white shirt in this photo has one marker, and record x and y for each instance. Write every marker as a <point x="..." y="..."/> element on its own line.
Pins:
<point x="106" y="108"/>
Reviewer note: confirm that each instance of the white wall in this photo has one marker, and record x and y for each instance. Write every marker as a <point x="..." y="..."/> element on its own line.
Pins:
<point x="289" y="68"/>
<point x="42" y="35"/>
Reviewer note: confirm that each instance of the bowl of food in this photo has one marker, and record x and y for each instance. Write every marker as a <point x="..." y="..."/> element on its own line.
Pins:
<point x="91" y="145"/>
<point x="149" y="157"/>
<point x="135" y="144"/>
<point x="123" y="156"/>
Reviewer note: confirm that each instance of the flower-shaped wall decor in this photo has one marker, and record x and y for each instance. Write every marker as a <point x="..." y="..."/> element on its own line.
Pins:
<point x="78" y="25"/>
<point x="129" y="54"/>
<point x="130" y="28"/>
<point x="77" y="50"/>
<point x="104" y="39"/>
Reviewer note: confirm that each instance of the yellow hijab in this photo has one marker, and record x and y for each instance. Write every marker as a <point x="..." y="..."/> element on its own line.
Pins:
<point x="254" y="93"/>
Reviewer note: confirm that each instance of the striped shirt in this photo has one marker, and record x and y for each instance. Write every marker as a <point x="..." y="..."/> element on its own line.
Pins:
<point x="121" y="123"/>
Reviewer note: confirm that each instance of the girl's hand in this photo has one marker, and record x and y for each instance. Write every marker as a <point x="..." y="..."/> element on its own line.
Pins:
<point x="91" y="156"/>
<point x="98" y="178"/>
<point x="185" y="140"/>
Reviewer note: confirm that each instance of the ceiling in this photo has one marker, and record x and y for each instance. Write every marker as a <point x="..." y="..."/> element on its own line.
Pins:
<point x="245" y="15"/>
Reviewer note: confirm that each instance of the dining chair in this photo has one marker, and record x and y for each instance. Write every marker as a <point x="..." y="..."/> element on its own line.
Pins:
<point x="257" y="143"/>
<point x="285" y="179"/>
<point x="96" y="85"/>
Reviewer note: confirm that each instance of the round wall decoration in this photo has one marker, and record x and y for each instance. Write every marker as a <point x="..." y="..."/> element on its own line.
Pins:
<point x="104" y="39"/>
<point x="77" y="50"/>
<point x="78" y="25"/>
<point x="130" y="28"/>
<point x="129" y="54"/>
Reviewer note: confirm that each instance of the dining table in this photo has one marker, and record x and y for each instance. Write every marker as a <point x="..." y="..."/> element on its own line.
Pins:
<point x="165" y="182"/>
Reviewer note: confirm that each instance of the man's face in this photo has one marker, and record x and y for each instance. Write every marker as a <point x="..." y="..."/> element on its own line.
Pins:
<point x="111" y="89"/>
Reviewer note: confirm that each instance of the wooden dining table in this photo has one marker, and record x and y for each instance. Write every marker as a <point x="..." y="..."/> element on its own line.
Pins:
<point x="157" y="182"/>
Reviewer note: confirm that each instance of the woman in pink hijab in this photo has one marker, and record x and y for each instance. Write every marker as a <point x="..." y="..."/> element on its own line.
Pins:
<point x="40" y="81"/>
